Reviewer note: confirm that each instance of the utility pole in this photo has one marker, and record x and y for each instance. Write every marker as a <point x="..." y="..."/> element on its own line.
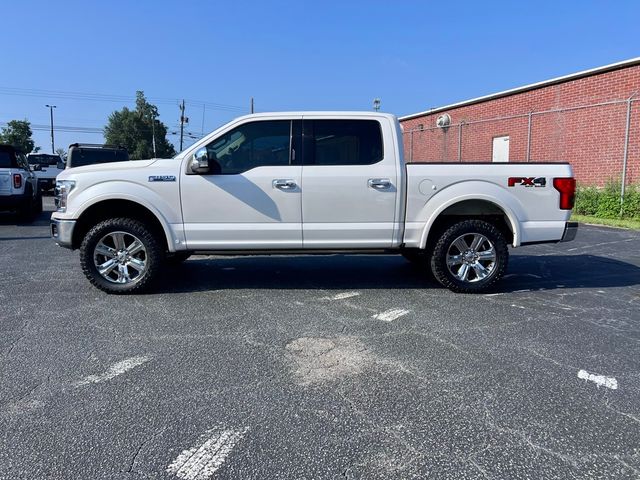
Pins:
<point x="251" y="104"/>
<point x="153" y="134"/>
<point x="183" y="120"/>
<point x="51" y="107"/>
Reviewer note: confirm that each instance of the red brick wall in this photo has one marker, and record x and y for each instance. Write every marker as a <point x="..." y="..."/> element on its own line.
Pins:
<point x="590" y="138"/>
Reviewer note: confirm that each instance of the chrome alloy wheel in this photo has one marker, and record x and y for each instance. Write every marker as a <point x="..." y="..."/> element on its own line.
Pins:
<point x="120" y="258"/>
<point x="471" y="257"/>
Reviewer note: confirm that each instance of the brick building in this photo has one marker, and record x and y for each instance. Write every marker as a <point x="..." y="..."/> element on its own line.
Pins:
<point x="590" y="118"/>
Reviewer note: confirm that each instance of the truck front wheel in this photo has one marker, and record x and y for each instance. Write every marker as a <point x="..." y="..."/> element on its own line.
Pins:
<point x="470" y="257"/>
<point x="121" y="255"/>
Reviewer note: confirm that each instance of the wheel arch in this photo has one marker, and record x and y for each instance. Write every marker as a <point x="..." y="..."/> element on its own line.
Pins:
<point x="119" y="207"/>
<point x="479" y="207"/>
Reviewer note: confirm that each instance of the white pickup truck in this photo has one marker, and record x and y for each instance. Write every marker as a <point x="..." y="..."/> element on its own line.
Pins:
<point x="308" y="182"/>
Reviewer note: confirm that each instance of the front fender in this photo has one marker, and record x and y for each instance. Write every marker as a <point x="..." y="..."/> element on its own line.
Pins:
<point x="165" y="208"/>
<point x="472" y="190"/>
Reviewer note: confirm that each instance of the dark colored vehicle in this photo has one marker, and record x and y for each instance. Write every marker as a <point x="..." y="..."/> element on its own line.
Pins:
<point x="82" y="154"/>
<point x="19" y="190"/>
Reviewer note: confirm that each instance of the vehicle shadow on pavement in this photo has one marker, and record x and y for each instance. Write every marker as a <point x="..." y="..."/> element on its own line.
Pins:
<point x="42" y="219"/>
<point x="340" y="272"/>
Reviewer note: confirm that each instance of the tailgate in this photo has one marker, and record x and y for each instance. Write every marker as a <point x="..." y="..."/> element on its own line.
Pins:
<point x="5" y="183"/>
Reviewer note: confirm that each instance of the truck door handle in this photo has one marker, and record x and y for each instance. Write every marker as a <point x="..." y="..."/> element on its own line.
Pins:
<point x="379" y="183"/>
<point x="284" y="184"/>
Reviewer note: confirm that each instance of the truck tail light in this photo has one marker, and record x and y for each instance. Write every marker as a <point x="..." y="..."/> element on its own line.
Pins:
<point x="17" y="180"/>
<point x="567" y="188"/>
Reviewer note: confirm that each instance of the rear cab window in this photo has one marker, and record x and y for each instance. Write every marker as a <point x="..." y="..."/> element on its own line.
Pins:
<point x="6" y="159"/>
<point x="80" y="157"/>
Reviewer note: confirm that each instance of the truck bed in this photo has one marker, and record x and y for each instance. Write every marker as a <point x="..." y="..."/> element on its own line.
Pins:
<point x="529" y="200"/>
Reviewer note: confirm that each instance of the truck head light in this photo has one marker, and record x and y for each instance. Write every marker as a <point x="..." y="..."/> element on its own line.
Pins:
<point x="63" y="188"/>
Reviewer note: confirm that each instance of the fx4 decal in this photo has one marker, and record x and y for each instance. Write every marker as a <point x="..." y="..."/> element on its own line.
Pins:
<point x="527" y="181"/>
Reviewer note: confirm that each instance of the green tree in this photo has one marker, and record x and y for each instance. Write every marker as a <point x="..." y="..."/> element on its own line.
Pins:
<point x="18" y="133"/>
<point x="136" y="129"/>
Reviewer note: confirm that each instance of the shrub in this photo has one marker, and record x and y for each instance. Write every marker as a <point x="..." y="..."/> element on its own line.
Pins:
<point x="605" y="202"/>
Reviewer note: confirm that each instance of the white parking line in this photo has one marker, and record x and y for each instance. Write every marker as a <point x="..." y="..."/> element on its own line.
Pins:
<point x="608" y="382"/>
<point x="342" y="296"/>
<point x="601" y="244"/>
<point x="391" y="314"/>
<point x="114" y="370"/>
<point x="203" y="460"/>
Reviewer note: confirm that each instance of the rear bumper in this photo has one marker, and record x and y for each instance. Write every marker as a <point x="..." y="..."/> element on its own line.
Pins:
<point x="570" y="231"/>
<point x="62" y="232"/>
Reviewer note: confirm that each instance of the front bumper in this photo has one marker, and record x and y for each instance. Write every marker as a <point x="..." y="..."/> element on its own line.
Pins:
<point x="570" y="231"/>
<point x="62" y="232"/>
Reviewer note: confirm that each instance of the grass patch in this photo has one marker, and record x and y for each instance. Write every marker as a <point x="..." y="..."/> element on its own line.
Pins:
<point x="609" y="222"/>
<point x="604" y="203"/>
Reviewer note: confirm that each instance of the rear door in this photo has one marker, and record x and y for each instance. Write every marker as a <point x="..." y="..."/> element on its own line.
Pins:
<point x="349" y="183"/>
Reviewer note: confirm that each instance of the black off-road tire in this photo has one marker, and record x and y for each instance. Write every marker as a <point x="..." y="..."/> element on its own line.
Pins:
<point x="154" y="255"/>
<point x="469" y="227"/>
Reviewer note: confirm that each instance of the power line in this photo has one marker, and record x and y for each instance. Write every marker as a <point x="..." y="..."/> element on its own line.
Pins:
<point x="72" y="129"/>
<point x="99" y="97"/>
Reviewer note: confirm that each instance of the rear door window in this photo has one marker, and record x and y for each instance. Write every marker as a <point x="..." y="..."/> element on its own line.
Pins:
<point x="343" y="142"/>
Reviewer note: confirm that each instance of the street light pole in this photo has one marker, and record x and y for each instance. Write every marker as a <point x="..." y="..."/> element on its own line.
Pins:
<point x="51" y="107"/>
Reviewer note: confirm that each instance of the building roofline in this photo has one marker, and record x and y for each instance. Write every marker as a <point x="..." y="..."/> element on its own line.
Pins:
<point x="533" y="86"/>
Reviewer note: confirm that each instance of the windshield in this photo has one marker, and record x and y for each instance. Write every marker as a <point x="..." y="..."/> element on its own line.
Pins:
<point x="43" y="159"/>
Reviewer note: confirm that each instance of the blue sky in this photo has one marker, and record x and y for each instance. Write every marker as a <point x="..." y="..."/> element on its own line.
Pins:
<point x="298" y="55"/>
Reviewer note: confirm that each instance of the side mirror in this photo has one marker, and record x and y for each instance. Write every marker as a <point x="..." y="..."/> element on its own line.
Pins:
<point x="61" y="165"/>
<point x="200" y="161"/>
<point x="201" y="164"/>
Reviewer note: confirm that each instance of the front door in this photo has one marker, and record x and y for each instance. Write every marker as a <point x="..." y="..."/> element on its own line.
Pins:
<point x="253" y="200"/>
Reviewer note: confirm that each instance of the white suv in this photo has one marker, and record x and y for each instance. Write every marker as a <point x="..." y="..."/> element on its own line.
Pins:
<point x="19" y="189"/>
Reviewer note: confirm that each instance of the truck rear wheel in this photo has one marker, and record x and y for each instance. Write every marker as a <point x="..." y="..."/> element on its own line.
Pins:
<point x="121" y="255"/>
<point x="470" y="257"/>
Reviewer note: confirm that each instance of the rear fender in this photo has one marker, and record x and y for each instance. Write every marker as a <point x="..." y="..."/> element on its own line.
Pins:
<point x="459" y="192"/>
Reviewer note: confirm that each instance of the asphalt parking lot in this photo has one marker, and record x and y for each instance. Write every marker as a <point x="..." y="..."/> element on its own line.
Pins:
<point x="321" y="367"/>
